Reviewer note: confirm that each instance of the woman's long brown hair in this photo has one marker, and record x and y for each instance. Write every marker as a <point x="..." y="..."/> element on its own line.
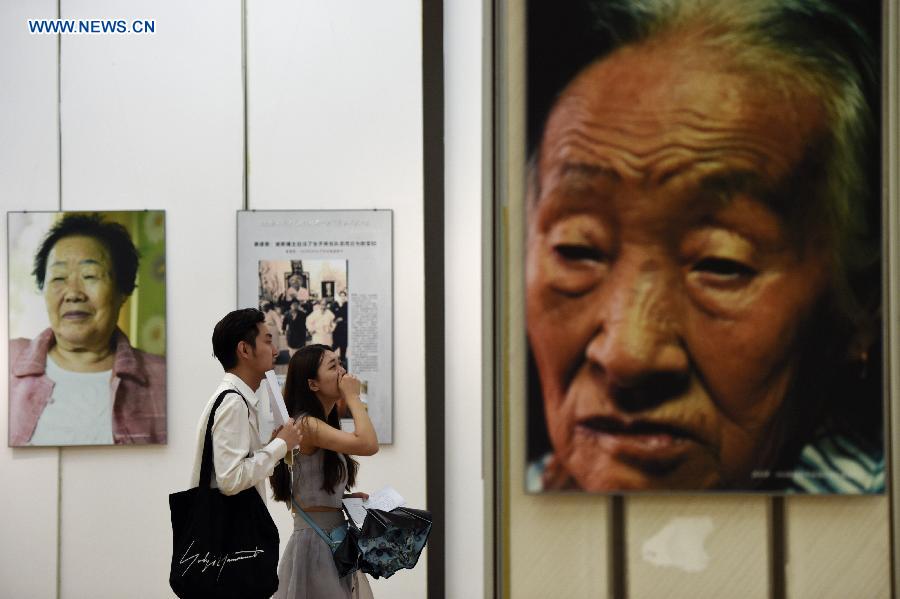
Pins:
<point x="300" y="399"/>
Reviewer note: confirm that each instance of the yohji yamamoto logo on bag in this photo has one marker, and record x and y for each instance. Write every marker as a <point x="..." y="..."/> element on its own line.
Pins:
<point x="211" y="560"/>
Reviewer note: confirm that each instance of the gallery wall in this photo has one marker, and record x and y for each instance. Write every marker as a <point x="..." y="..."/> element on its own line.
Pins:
<point x="331" y="107"/>
<point x="327" y="115"/>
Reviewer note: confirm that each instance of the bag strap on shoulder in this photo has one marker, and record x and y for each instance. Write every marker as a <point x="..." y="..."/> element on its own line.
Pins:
<point x="309" y="520"/>
<point x="206" y="463"/>
<point x="312" y="524"/>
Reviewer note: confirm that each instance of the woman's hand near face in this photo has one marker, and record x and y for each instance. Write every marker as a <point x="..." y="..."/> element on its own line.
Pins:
<point x="318" y="433"/>
<point x="349" y="386"/>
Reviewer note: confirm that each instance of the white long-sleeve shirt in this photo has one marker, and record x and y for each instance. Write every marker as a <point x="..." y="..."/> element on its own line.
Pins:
<point x="240" y="460"/>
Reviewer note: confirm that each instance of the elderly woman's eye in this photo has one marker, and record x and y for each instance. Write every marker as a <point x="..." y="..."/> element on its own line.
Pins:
<point x="578" y="252"/>
<point x="723" y="267"/>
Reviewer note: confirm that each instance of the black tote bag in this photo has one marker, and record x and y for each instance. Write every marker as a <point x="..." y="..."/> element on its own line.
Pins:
<point x="224" y="546"/>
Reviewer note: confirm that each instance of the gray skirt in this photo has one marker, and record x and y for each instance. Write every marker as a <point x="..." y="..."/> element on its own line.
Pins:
<point x="307" y="570"/>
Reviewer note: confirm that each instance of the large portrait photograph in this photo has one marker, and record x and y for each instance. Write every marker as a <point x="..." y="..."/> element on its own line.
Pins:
<point x="703" y="247"/>
<point x="87" y="328"/>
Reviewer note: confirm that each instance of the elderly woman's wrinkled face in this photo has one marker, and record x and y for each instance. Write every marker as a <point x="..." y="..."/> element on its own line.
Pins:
<point x="666" y="300"/>
<point x="82" y="299"/>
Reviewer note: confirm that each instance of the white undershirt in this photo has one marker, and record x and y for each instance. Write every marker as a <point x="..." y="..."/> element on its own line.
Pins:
<point x="79" y="411"/>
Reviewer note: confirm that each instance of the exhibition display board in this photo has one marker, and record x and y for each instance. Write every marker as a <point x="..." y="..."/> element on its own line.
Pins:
<point x="325" y="277"/>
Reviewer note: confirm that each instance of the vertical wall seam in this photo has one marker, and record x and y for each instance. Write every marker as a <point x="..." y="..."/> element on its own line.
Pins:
<point x="432" y="94"/>
<point x="59" y="183"/>
<point x="502" y="77"/>
<point x="499" y="586"/>
<point x="890" y="221"/>
<point x="245" y="174"/>
<point x="489" y="345"/>
<point x="777" y="549"/>
<point x="616" y="549"/>
<point x="59" y="107"/>
<point x="58" y="522"/>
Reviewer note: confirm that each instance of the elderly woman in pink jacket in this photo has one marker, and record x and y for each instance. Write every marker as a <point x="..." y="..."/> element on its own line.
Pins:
<point x="80" y="382"/>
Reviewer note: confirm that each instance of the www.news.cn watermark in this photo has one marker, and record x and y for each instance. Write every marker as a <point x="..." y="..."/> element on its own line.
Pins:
<point x="91" y="26"/>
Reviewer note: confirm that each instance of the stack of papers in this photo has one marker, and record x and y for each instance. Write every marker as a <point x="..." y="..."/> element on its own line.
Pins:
<point x="385" y="499"/>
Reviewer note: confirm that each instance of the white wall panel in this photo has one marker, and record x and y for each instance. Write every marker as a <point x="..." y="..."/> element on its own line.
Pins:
<point x="335" y="106"/>
<point x="558" y="546"/>
<point x="334" y="120"/>
<point x="697" y="547"/>
<point x="29" y="168"/>
<point x="837" y="547"/>
<point x="153" y="122"/>
<point x="463" y="294"/>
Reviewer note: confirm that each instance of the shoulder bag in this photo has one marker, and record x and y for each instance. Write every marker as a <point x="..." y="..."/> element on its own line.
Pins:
<point x="341" y="540"/>
<point x="223" y="546"/>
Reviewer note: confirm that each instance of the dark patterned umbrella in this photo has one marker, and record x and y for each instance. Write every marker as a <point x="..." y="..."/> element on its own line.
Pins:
<point x="391" y="541"/>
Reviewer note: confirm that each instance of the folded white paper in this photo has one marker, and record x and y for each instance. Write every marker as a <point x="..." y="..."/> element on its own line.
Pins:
<point x="276" y="400"/>
<point x="385" y="500"/>
<point x="356" y="510"/>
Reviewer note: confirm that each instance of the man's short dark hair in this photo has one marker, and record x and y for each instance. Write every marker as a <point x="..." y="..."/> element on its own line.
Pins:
<point x="112" y="236"/>
<point x="237" y="326"/>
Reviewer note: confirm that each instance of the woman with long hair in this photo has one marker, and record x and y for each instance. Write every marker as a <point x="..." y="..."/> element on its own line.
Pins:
<point x="322" y="471"/>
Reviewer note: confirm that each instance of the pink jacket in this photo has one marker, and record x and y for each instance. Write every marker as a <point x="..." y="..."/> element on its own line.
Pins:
<point x="138" y="386"/>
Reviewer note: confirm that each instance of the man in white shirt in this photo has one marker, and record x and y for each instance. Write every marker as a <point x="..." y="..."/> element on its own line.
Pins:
<point x="243" y="344"/>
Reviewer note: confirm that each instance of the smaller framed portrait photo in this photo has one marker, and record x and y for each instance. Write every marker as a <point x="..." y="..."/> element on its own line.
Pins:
<point x="87" y="328"/>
